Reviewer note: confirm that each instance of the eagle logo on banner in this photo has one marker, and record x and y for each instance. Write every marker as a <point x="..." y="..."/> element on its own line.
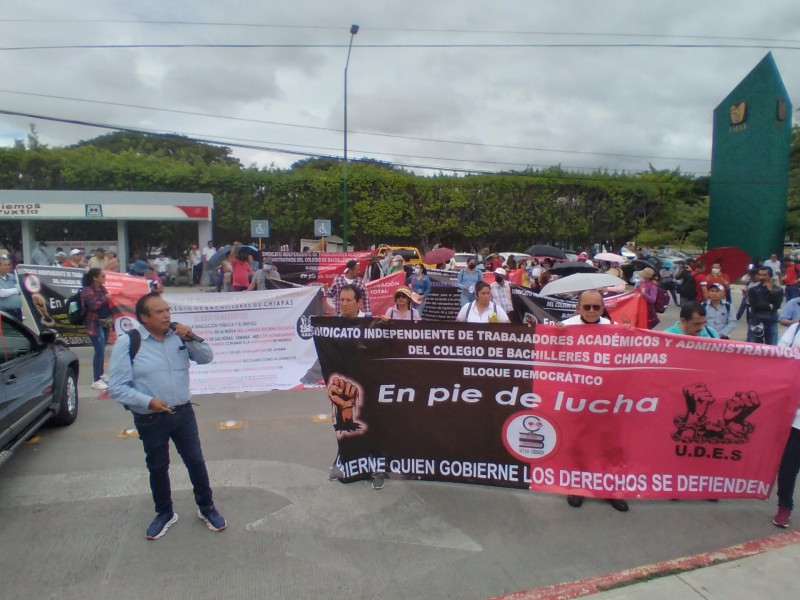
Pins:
<point x="738" y="113"/>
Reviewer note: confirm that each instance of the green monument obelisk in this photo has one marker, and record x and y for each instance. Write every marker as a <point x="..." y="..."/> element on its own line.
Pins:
<point x="750" y="164"/>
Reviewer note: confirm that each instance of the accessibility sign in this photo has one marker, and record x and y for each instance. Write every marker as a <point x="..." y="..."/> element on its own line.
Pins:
<point x="322" y="227"/>
<point x="259" y="229"/>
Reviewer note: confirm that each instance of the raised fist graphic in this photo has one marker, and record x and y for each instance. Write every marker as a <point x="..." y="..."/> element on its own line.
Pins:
<point x="343" y="394"/>
<point x="698" y="400"/>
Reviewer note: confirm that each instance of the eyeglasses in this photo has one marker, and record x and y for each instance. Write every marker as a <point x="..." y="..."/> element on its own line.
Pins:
<point x="595" y="307"/>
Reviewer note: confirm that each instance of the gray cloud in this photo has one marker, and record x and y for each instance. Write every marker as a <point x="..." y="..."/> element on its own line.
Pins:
<point x="591" y="104"/>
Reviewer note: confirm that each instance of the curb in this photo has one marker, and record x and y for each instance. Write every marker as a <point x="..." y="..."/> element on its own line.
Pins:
<point x="594" y="585"/>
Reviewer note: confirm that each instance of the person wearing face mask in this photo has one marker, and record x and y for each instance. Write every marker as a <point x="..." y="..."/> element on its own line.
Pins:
<point x="467" y="280"/>
<point x="717" y="276"/>
<point x="501" y="290"/>
<point x="421" y="284"/>
<point x="267" y="271"/>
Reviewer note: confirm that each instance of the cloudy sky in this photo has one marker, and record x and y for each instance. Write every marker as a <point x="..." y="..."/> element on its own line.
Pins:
<point x="448" y="84"/>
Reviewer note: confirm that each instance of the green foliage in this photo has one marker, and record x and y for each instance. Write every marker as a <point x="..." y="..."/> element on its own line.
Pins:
<point x="506" y="211"/>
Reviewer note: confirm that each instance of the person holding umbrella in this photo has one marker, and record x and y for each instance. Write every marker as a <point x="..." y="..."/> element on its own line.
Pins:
<point x="241" y="269"/>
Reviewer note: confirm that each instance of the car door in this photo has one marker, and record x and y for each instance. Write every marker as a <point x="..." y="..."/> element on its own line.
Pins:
<point x="26" y="375"/>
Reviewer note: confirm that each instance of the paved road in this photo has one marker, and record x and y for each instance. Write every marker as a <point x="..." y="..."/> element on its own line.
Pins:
<point x="75" y="507"/>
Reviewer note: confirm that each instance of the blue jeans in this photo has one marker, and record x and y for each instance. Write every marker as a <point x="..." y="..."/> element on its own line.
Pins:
<point x="155" y="431"/>
<point x="787" y="472"/>
<point x="99" y="342"/>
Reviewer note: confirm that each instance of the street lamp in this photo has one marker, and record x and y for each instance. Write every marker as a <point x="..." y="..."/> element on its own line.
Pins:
<point x="345" y="224"/>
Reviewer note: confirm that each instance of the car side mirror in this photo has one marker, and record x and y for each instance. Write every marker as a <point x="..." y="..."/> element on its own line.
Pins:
<point x="48" y="336"/>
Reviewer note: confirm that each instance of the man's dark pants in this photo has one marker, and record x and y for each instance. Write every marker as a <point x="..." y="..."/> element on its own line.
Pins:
<point x="155" y="431"/>
<point x="787" y="472"/>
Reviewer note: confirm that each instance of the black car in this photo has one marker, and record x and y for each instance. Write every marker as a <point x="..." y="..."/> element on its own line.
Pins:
<point x="38" y="383"/>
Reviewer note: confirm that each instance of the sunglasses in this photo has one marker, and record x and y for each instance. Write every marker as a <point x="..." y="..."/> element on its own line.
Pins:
<point x="595" y="307"/>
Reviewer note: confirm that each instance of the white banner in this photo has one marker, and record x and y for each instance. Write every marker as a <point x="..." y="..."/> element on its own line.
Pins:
<point x="261" y="340"/>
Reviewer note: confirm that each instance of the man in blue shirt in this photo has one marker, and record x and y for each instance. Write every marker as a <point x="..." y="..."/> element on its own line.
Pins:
<point x="719" y="313"/>
<point x="790" y="313"/>
<point x="153" y="383"/>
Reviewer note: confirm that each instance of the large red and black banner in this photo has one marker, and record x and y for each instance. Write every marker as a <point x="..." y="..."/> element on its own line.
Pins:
<point x="46" y="289"/>
<point x="590" y="410"/>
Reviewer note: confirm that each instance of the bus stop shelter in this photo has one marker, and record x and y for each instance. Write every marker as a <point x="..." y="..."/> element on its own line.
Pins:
<point x="28" y="206"/>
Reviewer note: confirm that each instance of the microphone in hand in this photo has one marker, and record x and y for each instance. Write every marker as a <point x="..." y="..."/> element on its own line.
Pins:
<point x="189" y="337"/>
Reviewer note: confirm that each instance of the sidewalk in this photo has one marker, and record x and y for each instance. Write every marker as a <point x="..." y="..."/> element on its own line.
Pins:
<point x="760" y="568"/>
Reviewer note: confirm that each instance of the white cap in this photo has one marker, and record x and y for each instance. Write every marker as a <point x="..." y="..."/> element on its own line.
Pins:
<point x="500" y="271"/>
<point x="75" y="251"/>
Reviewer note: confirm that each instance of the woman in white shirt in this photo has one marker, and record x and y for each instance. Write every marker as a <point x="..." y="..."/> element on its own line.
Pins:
<point x="482" y="310"/>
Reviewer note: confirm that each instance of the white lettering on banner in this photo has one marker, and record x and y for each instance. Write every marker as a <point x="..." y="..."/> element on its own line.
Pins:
<point x="363" y="464"/>
<point x="619" y="341"/>
<point x="722" y="485"/>
<point x="567" y="377"/>
<point x="621" y="405"/>
<point x="603" y="482"/>
<point x="479" y="470"/>
<point x="412" y="466"/>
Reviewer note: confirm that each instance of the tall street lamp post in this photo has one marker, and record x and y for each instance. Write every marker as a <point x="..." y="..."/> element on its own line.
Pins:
<point x="345" y="223"/>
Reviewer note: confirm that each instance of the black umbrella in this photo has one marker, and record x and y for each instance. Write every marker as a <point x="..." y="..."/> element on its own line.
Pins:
<point x="222" y="254"/>
<point x="545" y="250"/>
<point x="648" y="261"/>
<point x="563" y="269"/>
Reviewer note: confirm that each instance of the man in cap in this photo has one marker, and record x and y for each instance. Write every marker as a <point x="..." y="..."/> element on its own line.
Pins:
<point x="719" y="312"/>
<point x="395" y="265"/>
<point x="99" y="260"/>
<point x="501" y="290"/>
<point x="75" y="259"/>
<point x="349" y="277"/>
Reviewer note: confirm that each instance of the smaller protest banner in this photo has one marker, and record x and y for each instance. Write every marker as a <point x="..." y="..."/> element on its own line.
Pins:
<point x="314" y="267"/>
<point x="46" y="289"/>
<point x="261" y="339"/>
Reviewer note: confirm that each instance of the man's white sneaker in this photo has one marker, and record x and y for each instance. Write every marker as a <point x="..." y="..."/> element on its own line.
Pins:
<point x="104" y="377"/>
<point x="100" y="385"/>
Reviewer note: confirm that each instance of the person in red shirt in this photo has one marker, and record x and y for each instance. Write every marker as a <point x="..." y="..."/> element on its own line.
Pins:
<point x="242" y="269"/>
<point x="789" y="279"/>
<point x="700" y="282"/>
<point x="495" y="262"/>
